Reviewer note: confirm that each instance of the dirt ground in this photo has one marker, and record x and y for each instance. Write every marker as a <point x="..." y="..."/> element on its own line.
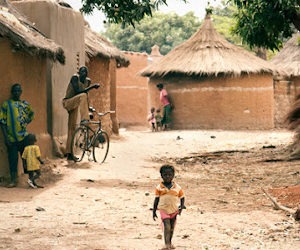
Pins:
<point x="90" y="206"/>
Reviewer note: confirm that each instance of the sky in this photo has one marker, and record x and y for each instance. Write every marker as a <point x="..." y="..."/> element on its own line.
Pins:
<point x="198" y="6"/>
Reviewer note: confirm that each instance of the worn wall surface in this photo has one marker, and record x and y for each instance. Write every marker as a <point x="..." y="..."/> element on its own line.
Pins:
<point x="30" y="72"/>
<point x="99" y="72"/>
<point x="219" y="103"/>
<point x="66" y="27"/>
<point x="285" y="92"/>
<point x="132" y="91"/>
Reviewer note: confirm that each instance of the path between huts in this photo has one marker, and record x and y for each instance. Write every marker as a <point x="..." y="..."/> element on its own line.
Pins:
<point x="87" y="206"/>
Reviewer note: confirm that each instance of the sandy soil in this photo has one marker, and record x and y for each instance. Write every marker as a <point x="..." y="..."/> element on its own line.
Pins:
<point x="91" y="206"/>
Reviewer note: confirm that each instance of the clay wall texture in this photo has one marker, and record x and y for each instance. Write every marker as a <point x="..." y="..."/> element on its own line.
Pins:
<point x="285" y="92"/>
<point x="132" y="92"/>
<point x="219" y="103"/>
<point x="66" y="27"/>
<point x="30" y="72"/>
<point x="99" y="72"/>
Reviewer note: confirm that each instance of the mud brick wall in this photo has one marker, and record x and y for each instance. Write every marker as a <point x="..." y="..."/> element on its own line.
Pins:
<point x="132" y="91"/>
<point x="219" y="103"/>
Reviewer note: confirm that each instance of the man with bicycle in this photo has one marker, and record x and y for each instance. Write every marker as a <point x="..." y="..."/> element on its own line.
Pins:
<point x="77" y="98"/>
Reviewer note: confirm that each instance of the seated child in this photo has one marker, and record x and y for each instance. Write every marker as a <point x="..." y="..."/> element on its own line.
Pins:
<point x="158" y="119"/>
<point x="31" y="160"/>
<point x="151" y="119"/>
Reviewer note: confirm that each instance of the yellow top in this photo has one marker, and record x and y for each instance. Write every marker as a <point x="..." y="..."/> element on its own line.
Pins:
<point x="31" y="154"/>
<point x="169" y="198"/>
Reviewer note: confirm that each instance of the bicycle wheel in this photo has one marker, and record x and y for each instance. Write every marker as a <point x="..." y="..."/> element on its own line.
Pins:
<point x="78" y="144"/>
<point x="100" y="147"/>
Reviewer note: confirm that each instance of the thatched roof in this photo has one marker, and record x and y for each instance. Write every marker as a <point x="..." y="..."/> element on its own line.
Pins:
<point x="207" y="53"/>
<point x="23" y="36"/>
<point x="98" y="46"/>
<point x="289" y="57"/>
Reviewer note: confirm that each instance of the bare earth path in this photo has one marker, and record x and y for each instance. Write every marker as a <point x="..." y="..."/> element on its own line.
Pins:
<point x="107" y="206"/>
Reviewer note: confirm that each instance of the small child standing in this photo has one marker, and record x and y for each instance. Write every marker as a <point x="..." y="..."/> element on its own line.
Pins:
<point x="167" y="195"/>
<point x="151" y="119"/>
<point x="158" y="119"/>
<point x="32" y="159"/>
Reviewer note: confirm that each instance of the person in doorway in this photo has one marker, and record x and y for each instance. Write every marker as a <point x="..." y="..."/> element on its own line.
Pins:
<point x="167" y="195"/>
<point x="77" y="98"/>
<point x="167" y="106"/>
<point x="15" y="115"/>
<point x="32" y="159"/>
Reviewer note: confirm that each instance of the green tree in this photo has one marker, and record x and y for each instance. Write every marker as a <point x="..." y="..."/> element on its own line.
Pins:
<point x="165" y="30"/>
<point x="261" y="23"/>
<point x="123" y="11"/>
<point x="264" y="23"/>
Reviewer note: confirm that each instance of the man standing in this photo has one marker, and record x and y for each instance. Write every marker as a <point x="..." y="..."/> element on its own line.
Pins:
<point x="77" y="98"/>
<point x="15" y="115"/>
<point x="167" y="106"/>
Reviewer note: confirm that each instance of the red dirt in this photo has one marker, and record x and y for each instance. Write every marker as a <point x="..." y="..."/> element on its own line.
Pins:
<point x="288" y="196"/>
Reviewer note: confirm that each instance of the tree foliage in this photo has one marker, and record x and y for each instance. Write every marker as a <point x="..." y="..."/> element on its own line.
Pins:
<point x="264" y="23"/>
<point x="165" y="30"/>
<point x="261" y="23"/>
<point x="123" y="11"/>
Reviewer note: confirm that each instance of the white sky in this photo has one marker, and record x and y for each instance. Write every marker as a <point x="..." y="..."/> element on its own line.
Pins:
<point x="177" y="6"/>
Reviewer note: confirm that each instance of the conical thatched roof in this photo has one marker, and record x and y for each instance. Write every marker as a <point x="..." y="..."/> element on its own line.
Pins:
<point x="289" y="57"/>
<point x="207" y="53"/>
<point x="96" y="45"/>
<point x="24" y="37"/>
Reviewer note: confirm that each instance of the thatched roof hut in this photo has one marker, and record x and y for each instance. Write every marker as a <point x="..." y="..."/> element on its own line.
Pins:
<point x="207" y="53"/>
<point x="289" y="57"/>
<point x="98" y="46"/>
<point x="23" y="36"/>
<point x="214" y="84"/>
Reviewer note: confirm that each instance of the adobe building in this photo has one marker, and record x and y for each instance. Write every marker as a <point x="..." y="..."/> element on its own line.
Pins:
<point x="26" y="56"/>
<point x="132" y="89"/>
<point x="287" y="86"/>
<point x="66" y="27"/>
<point x="214" y="84"/>
<point x="103" y="60"/>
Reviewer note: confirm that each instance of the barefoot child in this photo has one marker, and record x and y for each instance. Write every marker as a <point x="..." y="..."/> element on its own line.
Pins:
<point x="32" y="159"/>
<point x="151" y="119"/>
<point x="167" y="195"/>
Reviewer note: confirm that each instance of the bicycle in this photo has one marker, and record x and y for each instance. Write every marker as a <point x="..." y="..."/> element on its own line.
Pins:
<point x="93" y="141"/>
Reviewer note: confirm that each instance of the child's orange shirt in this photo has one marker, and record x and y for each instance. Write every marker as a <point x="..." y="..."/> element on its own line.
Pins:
<point x="168" y="198"/>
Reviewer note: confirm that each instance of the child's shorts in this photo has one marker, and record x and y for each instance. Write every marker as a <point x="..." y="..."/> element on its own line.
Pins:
<point x="164" y="215"/>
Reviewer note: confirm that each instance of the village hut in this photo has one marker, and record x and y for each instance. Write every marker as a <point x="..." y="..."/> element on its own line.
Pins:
<point x="103" y="59"/>
<point x="134" y="111"/>
<point x="25" y="56"/>
<point x="287" y="86"/>
<point x="214" y="84"/>
<point x="66" y="27"/>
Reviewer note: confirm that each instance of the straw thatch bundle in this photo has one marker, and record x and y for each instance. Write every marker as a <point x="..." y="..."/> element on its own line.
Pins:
<point x="98" y="46"/>
<point x="208" y="53"/>
<point x="23" y="36"/>
<point x="289" y="57"/>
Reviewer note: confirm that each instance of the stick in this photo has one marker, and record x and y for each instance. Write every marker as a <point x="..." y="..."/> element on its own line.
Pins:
<point x="277" y="205"/>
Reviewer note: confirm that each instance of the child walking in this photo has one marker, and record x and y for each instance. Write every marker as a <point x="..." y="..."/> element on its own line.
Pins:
<point x="167" y="195"/>
<point x="151" y="119"/>
<point x="32" y="159"/>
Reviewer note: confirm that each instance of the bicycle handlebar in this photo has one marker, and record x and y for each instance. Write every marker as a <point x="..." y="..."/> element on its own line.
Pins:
<point x="105" y="113"/>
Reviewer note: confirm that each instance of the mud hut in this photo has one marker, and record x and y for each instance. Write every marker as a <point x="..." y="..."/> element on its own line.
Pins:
<point x="67" y="29"/>
<point x="214" y="84"/>
<point x="103" y="59"/>
<point x="287" y="86"/>
<point x="134" y="111"/>
<point x="25" y="56"/>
